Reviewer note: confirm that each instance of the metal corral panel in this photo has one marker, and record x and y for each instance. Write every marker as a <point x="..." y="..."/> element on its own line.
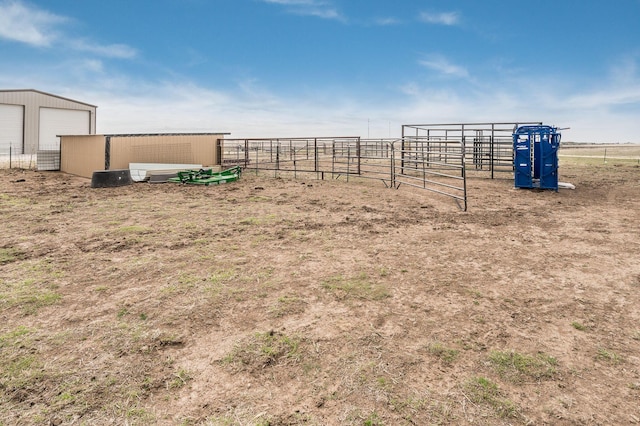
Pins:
<point x="48" y="160"/>
<point x="32" y="101"/>
<point x="176" y="149"/>
<point x="11" y="128"/>
<point x="82" y="155"/>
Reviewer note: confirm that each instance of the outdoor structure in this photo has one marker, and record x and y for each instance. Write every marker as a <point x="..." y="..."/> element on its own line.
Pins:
<point x="536" y="157"/>
<point x="488" y="147"/>
<point x="394" y="162"/>
<point x="31" y="121"/>
<point x="430" y="157"/>
<point x="82" y="155"/>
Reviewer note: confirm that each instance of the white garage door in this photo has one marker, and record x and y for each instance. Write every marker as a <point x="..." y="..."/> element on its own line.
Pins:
<point x="55" y="122"/>
<point x="11" y="128"/>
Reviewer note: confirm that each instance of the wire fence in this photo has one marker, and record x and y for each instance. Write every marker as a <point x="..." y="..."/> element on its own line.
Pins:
<point x="18" y="161"/>
<point x="45" y="160"/>
<point x="436" y="166"/>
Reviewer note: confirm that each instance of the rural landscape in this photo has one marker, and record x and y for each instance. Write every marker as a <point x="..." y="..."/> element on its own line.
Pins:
<point x="282" y="300"/>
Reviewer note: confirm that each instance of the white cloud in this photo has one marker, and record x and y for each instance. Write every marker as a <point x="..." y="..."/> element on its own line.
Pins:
<point x="605" y="98"/>
<point x="603" y="112"/>
<point x="129" y="104"/>
<point x="619" y="92"/>
<point x="121" y="51"/>
<point x="251" y="110"/>
<point x="318" y="8"/>
<point x="93" y="66"/>
<point x="442" y="65"/>
<point x="444" y="18"/>
<point x="29" y="25"/>
<point x="387" y="21"/>
<point x="293" y="2"/>
<point x="319" y="12"/>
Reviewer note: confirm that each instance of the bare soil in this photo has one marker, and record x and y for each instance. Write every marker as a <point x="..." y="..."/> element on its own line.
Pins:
<point x="299" y="301"/>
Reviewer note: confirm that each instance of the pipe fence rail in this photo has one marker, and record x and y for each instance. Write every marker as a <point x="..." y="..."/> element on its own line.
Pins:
<point x="489" y="146"/>
<point x="436" y="166"/>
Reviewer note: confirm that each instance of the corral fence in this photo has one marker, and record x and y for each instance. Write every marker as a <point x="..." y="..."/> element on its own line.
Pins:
<point x="488" y="147"/>
<point x="410" y="162"/>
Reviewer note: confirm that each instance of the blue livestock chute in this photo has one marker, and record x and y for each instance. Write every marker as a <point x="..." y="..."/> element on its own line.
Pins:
<point x="535" y="157"/>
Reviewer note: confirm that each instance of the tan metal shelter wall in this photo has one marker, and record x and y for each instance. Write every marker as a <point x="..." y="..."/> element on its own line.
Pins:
<point x="175" y="149"/>
<point x="82" y="155"/>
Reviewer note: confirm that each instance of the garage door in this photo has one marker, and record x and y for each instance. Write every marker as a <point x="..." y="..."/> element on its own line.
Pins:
<point x="11" y="128"/>
<point x="55" y="122"/>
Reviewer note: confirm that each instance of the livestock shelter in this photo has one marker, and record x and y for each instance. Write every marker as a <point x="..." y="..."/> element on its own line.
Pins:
<point x="31" y="120"/>
<point x="82" y="155"/>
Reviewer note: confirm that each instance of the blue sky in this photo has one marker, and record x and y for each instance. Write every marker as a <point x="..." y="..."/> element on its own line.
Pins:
<point x="269" y="68"/>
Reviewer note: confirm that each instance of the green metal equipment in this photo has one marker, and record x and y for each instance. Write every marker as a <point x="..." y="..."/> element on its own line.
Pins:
<point x="207" y="176"/>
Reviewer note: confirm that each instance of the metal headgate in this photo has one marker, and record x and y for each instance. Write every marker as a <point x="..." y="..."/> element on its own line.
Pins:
<point x="536" y="157"/>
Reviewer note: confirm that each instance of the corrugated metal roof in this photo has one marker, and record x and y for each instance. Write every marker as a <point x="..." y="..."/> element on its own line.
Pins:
<point x="132" y="135"/>
<point x="48" y="94"/>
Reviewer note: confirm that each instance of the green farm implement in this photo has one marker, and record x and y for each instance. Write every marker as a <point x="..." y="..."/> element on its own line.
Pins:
<point x="207" y="176"/>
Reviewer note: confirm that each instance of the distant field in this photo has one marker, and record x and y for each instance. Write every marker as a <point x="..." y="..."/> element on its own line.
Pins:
<point x="599" y="154"/>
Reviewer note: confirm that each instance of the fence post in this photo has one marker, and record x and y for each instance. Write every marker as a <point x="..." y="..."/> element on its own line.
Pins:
<point x="348" y="160"/>
<point x="277" y="159"/>
<point x="295" y="168"/>
<point x="424" y="171"/>
<point x="315" y="155"/>
<point x="464" y="177"/>
<point x="359" y="154"/>
<point x="333" y="159"/>
<point x="492" y="148"/>
<point x="393" y="163"/>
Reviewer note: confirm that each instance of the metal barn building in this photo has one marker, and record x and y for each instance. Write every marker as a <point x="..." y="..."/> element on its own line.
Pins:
<point x="31" y="120"/>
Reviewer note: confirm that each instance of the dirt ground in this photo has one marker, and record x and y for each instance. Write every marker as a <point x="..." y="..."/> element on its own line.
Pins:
<point x="300" y="301"/>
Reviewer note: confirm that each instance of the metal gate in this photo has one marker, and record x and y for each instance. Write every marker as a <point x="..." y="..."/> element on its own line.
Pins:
<point x="436" y="166"/>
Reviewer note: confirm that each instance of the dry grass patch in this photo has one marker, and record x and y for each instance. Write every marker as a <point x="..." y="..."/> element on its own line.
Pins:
<point x="287" y="305"/>
<point x="263" y="350"/>
<point x="359" y="286"/>
<point x="28" y="294"/>
<point x="443" y="353"/>
<point x="480" y="390"/>
<point x="517" y="367"/>
<point x="10" y="254"/>
<point x="609" y="356"/>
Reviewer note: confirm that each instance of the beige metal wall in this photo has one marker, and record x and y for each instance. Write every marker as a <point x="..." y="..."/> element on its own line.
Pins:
<point x="33" y="100"/>
<point x="176" y="149"/>
<point x="82" y="155"/>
